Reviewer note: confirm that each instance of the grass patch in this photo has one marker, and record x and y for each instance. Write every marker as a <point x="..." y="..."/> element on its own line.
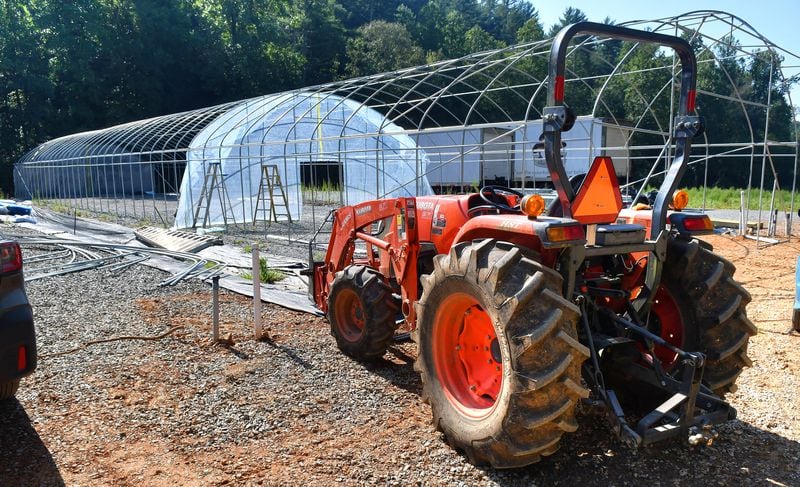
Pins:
<point x="325" y="187"/>
<point x="326" y="192"/>
<point x="729" y="198"/>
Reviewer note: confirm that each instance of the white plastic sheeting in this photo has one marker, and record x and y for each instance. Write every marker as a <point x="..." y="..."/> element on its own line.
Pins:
<point x="376" y="158"/>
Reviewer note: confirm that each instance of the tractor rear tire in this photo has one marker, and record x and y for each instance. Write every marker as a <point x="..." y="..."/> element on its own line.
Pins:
<point x="498" y="353"/>
<point x="713" y="305"/>
<point x="362" y="312"/>
<point x="8" y="389"/>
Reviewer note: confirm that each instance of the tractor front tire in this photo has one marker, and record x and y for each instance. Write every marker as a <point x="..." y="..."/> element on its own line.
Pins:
<point x="362" y="312"/>
<point x="713" y="307"/>
<point x="8" y="389"/>
<point x="498" y="353"/>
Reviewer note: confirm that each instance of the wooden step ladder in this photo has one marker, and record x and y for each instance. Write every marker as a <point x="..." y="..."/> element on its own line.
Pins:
<point x="271" y="191"/>
<point x="214" y="182"/>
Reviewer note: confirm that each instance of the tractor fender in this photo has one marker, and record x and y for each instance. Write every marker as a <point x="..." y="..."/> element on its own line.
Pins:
<point x="517" y="229"/>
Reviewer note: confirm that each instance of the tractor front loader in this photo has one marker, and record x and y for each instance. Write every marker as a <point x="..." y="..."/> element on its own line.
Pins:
<point x="519" y="311"/>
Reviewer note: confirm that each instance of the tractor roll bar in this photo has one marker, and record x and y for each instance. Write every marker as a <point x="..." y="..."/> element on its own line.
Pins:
<point x="558" y="54"/>
<point x="557" y="116"/>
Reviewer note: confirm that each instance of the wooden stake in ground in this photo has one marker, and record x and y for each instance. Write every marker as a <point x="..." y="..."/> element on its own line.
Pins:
<point x="215" y="308"/>
<point x="796" y="311"/>
<point x="257" y="293"/>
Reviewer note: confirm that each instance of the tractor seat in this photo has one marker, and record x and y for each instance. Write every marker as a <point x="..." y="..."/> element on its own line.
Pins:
<point x="619" y="234"/>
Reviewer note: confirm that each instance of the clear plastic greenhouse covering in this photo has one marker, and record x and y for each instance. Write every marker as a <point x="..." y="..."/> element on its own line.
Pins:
<point x="376" y="157"/>
<point x="453" y="125"/>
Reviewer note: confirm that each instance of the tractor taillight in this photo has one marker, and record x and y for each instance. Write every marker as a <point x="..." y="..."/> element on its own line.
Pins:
<point x="22" y="358"/>
<point x="10" y="257"/>
<point x="565" y="233"/>
<point x="701" y="223"/>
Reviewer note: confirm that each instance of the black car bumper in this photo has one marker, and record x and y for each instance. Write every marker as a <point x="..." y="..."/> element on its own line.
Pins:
<point x="17" y="344"/>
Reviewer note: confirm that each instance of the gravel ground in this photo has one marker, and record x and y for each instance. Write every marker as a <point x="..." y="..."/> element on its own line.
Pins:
<point x="291" y="409"/>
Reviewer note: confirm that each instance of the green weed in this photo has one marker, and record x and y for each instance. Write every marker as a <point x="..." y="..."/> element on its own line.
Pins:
<point x="266" y="274"/>
<point x="269" y="275"/>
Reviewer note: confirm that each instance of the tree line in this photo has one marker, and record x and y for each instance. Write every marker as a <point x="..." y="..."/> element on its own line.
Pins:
<point x="67" y="67"/>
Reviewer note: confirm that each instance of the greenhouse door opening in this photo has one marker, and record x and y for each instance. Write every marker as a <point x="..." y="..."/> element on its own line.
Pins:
<point x="321" y="174"/>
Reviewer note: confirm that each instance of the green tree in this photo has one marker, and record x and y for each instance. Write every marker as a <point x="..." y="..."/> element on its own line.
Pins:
<point x="323" y="41"/>
<point x="255" y="38"/>
<point x="405" y="16"/>
<point x="25" y="88"/>
<point x="477" y="39"/>
<point x="570" y="16"/>
<point x="453" y="35"/>
<point x="503" y="18"/>
<point x="530" y="31"/>
<point x="382" y="46"/>
<point x="72" y="42"/>
<point x="171" y="48"/>
<point x="362" y="12"/>
<point x="431" y="20"/>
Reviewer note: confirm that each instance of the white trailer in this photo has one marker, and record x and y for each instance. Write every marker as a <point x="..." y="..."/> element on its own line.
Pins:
<point x="511" y="154"/>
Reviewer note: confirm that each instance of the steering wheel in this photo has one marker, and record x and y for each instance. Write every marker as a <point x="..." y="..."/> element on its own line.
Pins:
<point x="487" y="192"/>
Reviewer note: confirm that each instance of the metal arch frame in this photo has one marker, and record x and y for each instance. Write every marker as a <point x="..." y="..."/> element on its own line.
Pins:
<point x="410" y="98"/>
<point x="738" y="25"/>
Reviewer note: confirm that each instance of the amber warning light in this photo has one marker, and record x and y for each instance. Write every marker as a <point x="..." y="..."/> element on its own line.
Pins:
<point x="680" y="200"/>
<point x="532" y="205"/>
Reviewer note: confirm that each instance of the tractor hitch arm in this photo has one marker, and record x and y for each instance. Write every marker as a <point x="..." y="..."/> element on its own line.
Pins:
<point x="691" y="410"/>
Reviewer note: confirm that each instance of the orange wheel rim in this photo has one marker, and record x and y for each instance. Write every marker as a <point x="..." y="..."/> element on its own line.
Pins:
<point x="668" y="324"/>
<point x="349" y="313"/>
<point x="467" y="355"/>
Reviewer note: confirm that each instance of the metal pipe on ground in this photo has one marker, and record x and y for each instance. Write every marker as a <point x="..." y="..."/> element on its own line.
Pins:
<point x="196" y="268"/>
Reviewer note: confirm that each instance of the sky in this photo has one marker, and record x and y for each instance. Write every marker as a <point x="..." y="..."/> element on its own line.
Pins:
<point x="776" y="20"/>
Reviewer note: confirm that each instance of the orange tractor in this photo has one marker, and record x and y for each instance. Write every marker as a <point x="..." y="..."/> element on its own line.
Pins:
<point x="519" y="311"/>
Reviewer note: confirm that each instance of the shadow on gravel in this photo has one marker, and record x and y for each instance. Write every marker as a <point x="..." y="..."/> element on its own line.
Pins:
<point x="401" y="375"/>
<point x="289" y="353"/>
<point x="24" y="460"/>
<point x="743" y="455"/>
<point x="235" y="351"/>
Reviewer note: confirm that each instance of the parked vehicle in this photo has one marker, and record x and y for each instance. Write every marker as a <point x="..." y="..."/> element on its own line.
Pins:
<point x="17" y="335"/>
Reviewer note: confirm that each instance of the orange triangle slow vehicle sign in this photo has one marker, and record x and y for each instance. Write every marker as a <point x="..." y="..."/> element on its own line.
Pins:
<point x="598" y="200"/>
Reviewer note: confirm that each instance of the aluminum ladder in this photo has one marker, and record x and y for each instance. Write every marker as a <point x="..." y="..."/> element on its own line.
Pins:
<point x="214" y="182"/>
<point x="270" y="190"/>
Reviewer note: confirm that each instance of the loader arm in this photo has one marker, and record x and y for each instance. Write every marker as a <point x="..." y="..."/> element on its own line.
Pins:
<point x="388" y="229"/>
